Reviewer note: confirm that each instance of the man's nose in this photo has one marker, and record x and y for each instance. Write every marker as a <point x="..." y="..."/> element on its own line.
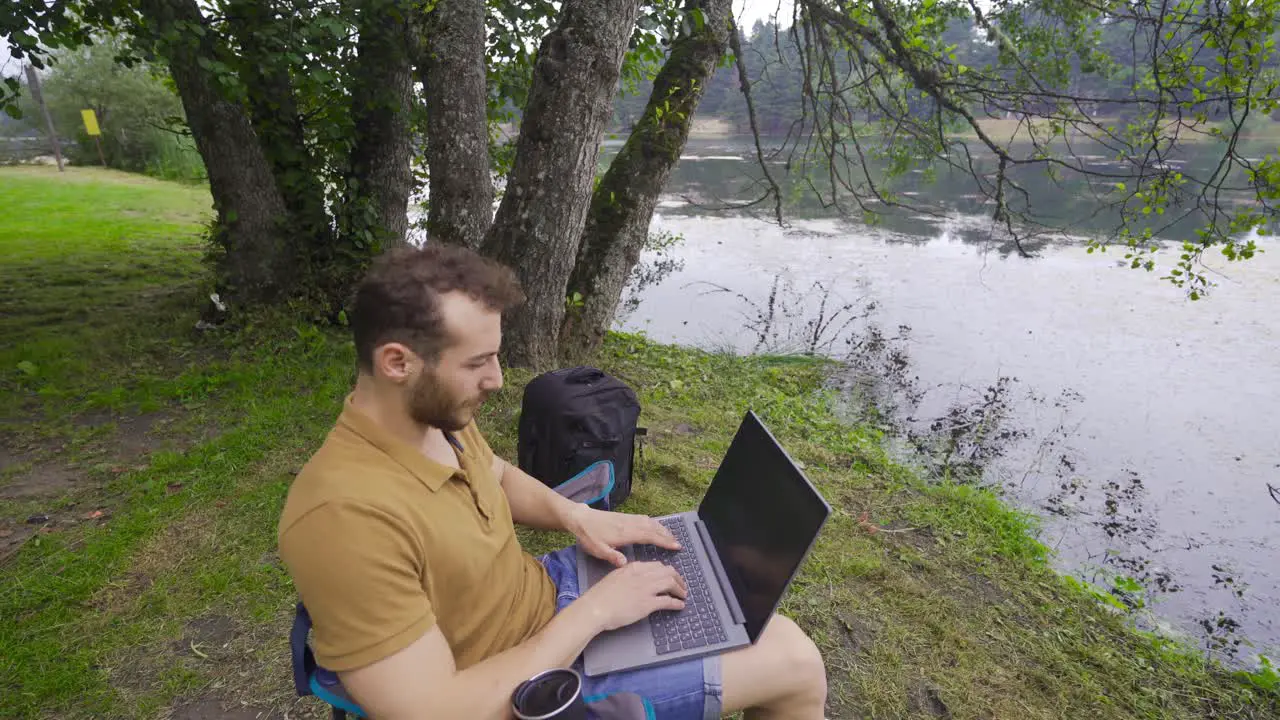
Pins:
<point x="493" y="380"/>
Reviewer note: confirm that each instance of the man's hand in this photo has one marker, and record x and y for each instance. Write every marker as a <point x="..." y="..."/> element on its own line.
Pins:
<point x="601" y="533"/>
<point x="629" y="594"/>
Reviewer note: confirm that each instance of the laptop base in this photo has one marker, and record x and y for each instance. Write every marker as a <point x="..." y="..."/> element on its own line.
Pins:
<point x="632" y="647"/>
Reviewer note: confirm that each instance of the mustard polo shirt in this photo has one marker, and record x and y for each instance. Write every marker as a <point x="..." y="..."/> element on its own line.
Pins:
<point x="383" y="544"/>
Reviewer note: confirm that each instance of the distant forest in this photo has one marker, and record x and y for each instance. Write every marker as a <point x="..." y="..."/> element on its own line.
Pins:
<point x="775" y="68"/>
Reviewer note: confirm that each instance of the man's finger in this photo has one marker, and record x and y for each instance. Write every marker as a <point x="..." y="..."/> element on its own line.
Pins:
<point x="666" y="602"/>
<point x="659" y="535"/>
<point x="602" y="551"/>
<point x="677" y="582"/>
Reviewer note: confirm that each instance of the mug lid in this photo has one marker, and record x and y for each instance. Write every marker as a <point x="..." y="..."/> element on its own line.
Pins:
<point x="527" y="687"/>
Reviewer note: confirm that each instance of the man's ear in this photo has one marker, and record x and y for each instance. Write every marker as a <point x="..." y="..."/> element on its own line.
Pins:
<point x="395" y="362"/>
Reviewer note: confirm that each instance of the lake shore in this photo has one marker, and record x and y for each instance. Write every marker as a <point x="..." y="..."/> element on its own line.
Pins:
<point x="144" y="464"/>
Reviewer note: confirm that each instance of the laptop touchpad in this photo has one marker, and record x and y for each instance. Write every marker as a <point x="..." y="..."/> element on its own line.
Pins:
<point x="596" y="569"/>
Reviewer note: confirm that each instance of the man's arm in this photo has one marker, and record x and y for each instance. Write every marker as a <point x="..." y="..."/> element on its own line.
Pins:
<point x="422" y="682"/>
<point x="598" y="532"/>
<point x="533" y="504"/>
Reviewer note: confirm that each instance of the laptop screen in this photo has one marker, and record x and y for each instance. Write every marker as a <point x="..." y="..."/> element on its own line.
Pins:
<point x="762" y="515"/>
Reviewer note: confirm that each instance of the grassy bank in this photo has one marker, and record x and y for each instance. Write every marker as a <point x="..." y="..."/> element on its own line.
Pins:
<point x="143" y="465"/>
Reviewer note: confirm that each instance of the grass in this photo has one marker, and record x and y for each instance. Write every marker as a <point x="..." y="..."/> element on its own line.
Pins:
<point x="177" y="159"/>
<point x="154" y="586"/>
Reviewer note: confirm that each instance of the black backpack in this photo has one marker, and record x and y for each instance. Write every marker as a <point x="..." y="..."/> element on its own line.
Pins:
<point x="572" y="418"/>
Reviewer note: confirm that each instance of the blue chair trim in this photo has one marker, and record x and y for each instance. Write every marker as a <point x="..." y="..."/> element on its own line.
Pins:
<point x="648" y="706"/>
<point x="320" y="691"/>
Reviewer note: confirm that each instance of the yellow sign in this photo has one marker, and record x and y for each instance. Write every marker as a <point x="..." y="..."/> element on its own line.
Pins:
<point x="90" y="122"/>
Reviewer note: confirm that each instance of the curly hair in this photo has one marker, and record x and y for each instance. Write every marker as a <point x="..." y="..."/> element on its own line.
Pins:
<point x="399" y="298"/>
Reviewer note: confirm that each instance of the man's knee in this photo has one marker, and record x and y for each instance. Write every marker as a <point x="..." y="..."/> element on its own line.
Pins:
<point x="803" y="660"/>
<point x="781" y="675"/>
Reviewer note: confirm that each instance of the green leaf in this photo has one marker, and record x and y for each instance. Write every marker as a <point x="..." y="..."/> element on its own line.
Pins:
<point x="28" y="368"/>
<point x="1128" y="584"/>
<point x="1107" y="598"/>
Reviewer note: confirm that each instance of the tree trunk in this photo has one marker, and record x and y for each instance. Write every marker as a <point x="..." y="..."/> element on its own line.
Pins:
<point x="539" y="223"/>
<point x="460" y="207"/>
<point x="623" y="203"/>
<point x="255" y="264"/>
<point x="273" y="108"/>
<point x="375" y="213"/>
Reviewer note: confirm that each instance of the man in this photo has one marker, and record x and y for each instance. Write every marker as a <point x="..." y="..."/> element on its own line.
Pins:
<point x="399" y="533"/>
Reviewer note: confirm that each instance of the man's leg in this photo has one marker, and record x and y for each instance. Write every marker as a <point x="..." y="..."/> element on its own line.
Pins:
<point x="781" y="676"/>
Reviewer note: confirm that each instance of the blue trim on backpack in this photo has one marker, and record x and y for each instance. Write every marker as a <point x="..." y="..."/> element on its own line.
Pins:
<point x="335" y="700"/>
<point x="608" y="486"/>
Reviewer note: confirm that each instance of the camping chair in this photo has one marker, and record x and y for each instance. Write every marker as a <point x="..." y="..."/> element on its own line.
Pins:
<point x="591" y="485"/>
<point x="311" y="679"/>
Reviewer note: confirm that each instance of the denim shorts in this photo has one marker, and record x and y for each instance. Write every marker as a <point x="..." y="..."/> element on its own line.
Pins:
<point x="686" y="690"/>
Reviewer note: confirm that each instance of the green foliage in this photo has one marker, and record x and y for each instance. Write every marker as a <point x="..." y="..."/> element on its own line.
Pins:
<point x="663" y="241"/>
<point x="34" y="28"/>
<point x="1265" y="677"/>
<point x="1115" y="601"/>
<point x="859" y="95"/>
<point x="139" y="114"/>
<point x="515" y="30"/>
<point x="659" y="24"/>
<point x="859" y="98"/>
<point x="912" y="585"/>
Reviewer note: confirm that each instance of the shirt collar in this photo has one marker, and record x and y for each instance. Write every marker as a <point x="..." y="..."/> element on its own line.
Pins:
<point x="429" y="472"/>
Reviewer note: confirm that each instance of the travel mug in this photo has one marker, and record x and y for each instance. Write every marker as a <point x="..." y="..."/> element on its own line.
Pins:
<point x="550" y="695"/>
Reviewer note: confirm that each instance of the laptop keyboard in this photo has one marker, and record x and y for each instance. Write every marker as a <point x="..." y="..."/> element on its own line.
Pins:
<point x="698" y="624"/>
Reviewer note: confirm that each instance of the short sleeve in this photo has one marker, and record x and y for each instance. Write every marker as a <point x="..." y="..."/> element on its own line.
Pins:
<point x="359" y="573"/>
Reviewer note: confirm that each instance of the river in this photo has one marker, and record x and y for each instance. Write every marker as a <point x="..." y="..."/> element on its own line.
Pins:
<point x="1141" y="426"/>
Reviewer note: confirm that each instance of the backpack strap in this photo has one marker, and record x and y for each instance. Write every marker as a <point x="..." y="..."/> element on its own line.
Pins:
<point x="642" y="434"/>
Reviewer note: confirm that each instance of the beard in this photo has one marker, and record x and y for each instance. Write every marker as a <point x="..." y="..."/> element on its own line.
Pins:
<point x="431" y="404"/>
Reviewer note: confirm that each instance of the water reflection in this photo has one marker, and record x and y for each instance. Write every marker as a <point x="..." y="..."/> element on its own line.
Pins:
<point x="1059" y="206"/>
<point x="1137" y="423"/>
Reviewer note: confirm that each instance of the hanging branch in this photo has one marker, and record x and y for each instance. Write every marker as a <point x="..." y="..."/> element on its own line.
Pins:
<point x="736" y="45"/>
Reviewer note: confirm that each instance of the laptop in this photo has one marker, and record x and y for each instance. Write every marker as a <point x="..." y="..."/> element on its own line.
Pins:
<point x="739" y="552"/>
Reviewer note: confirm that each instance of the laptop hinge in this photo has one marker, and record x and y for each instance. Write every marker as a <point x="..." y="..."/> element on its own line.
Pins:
<point x="735" y="611"/>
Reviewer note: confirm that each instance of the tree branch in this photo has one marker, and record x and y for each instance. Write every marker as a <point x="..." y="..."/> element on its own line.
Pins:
<point x="745" y="84"/>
